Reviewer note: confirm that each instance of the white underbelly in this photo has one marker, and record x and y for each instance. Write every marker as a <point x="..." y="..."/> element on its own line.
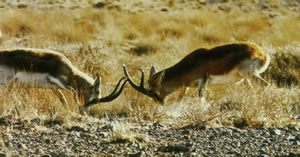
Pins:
<point x="222" y="79"/>
<point x="29" y="78"/>
<point x="6" y="74"/>
<point x="34" y="79"/>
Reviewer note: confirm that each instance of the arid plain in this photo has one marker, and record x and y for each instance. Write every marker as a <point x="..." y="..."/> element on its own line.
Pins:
<point x="99" y="36"/>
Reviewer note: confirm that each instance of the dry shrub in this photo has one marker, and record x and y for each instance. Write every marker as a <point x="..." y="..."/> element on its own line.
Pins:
<point x="241" y="106"/>
<point x="29" y="103"/>
<point x="124" y="132"/>
<point x="41" y="108"/>
<point x="267" y="106"/>
<point x="284" y="69"/>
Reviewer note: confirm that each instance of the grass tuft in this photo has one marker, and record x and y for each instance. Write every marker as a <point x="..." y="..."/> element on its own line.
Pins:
<point x="124" y="132"/>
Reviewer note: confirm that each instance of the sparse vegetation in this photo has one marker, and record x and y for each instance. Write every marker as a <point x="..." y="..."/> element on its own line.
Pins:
<point x="102" y="37"/>
<point x="96" y="39"/>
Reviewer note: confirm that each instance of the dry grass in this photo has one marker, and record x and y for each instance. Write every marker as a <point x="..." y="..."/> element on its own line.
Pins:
<point x="101" y="40"/>
<point x="58" y="26"/>
<point x="124" y="132"/>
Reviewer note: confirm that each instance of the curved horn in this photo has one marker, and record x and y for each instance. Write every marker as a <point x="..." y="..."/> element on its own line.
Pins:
<point x="142" y="79"/>
<point x="113" y="95"/>
<point x="140" y="88"/>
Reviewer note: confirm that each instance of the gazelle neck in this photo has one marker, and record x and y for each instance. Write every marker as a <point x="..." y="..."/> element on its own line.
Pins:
<point x="82" y="79"/>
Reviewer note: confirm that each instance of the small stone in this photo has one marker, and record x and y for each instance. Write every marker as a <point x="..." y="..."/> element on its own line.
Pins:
<point x="2" y="154"/>
<point x="193" y="154"/>
<point x="297" y="137"/>
<point x="263" y="155"/>
<point x="47" y="141"/>
<point x="21" y="146"/>
<point x="204" y="127"/>
<point x="139" y="154"/>
<point x="76" y="128"/>
<point x="274" y="131"/>
<point x="85" y="135"/>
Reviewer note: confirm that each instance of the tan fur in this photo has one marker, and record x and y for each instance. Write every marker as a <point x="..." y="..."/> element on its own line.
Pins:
<point x="218" y="65"/>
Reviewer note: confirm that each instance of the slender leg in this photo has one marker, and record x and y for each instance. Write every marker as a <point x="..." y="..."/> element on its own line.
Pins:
<point x="62" y="85"/>
<point x="75" y="96"/>
<point x="203" y="86"/>
<point x="186" y="90"/>
<point x="58" y="83"/>
<point x="183" y="93"/>
<point x="10" y="86"/>
<point x="249" y="82"/>
<point x="240" y="81"/>
<point x="61" y="96"/>
<point x="258" y="76"/>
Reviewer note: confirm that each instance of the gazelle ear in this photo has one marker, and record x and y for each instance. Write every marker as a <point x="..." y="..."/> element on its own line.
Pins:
<point x="97" y="82"/>
<point x="158" y="78"/>
<point x="152" y="71"/>
<point x="161" y="77"/>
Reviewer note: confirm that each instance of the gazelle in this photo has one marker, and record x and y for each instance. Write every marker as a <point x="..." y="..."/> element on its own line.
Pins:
<point x="49" y="69"/>
<point x="222" y="64"/>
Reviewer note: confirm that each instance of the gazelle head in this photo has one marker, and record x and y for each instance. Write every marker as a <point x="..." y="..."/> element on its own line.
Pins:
<point x="95" y="93"/>
<point x="95" y="90"/>
<point x="155" y="90"/>
<point x="86" y="89"/>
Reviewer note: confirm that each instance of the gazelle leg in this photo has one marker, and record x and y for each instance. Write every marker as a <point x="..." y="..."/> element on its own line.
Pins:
<point x="240" y="81"/>
<point x="58" y="83"/>
<point x="10" y="86"/>
<point x="183" y="93"/>
<point x="202" y="86"/>
<point x="186" y="90"/>
<point x="61" y="85"/>
<point x="75" y="96"/>
<point x="249" y="82"/>
<point x="61" y="96"/>
<point x="258" y="76"/>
